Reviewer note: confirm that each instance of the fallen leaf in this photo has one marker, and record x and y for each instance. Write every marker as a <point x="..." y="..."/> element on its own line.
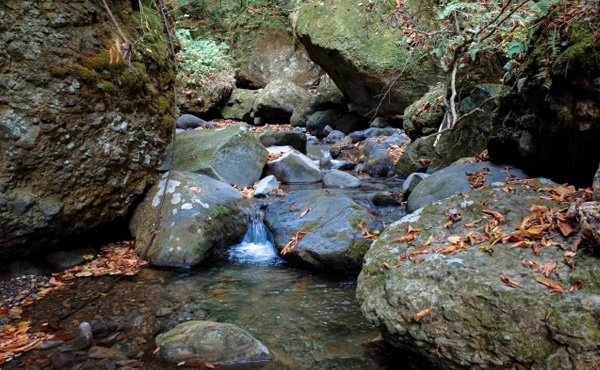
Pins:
<point x="496" y="215"/>
<point x="305" y="212"/>
<point x="209" y="365"/>
<point x="292" y="243"/>
<point x="575" y="287"/>
<point x="423" y="313"/>
<point x="509" y="282"/>
<point x="411" y="234"/>
<point x="565" y="228"/>
<point x="196" y="189"/>
<point x="547" y="268"/>
<point x="387" y="266"/>
<point x="156" y="350"/>
<point x="554" y="286"/>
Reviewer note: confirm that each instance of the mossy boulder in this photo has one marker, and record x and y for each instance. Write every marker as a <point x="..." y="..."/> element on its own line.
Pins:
<point x="340" y="37"/>
<point x="199" y="216"/>
<point x="277" y="101"/>
<point x="424" y="116"/>
<point x="333" y="240"/>
<point x="240" y="105"/>
<point x="317" y="122"/>
<point x="416" y="158"/>
<point x="80" y="137"/>
<point x="197" y="343"/>
<point x="474" y="320"/>
<point x="232" y="154"/>
<point x="206" y="95"/>
<point x="550" y="125"/>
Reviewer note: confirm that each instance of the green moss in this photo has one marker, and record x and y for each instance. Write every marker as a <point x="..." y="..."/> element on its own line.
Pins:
<point x="358" y="248"/>
<point x="580" y="53"/>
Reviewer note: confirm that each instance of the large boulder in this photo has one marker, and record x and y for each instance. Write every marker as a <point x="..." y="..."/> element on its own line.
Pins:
<point x="333" y="240"/>
<point x="454" y="180"/>
<point x="360" y="62"/>
<point x="424" y="116"/>
<point x="317" y="122"/>
<point x="474" y="304"/>
<point x="231" y="154"/>
<point x="277" y="101"/>
<point x="240" y="105"/>
<point x="199" y="214"/>
<point x="199" y="342"/>
<point x="80" y="137"/>
<point x="551" y="126"/>
<point x="297" y="140"/>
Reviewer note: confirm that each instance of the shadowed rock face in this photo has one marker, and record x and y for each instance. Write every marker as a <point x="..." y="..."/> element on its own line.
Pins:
<point x="80" y="138"/>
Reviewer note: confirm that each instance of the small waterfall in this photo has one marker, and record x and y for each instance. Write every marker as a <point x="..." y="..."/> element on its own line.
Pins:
<point x="257" y="246"/>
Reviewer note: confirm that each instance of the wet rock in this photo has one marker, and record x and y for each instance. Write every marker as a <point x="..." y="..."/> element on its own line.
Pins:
<point x="164" y="311"/>
<point x="340" y="179"/>
<point x="453" y="180"/>
<point x="380" y="122"/>
<point x="334" y="238"/>
<point x="351" y="122"/>
<point x="63" y="360"/>
<point x="144" y="326"/>
<point x="83" y="337"/>
<point x="278" y="99"/>
<point x="356" y="136"/>
<point x="99" y="327"/>
<point x="70" y="122"/>
<point x="344" y="144"/>
<point x="317" y="122"/>
<point x="100" y="353"/>
<point x="385" y="200"/>
<point x="467" y="296"/>
<point x="294" y="168"/>
<point x="265" y="186"/>
<point x="334" y="136"/>
<point x="199" y="214"/>
<point x="231" y="154"/>
<point x="379" y="165"/>
<point x="297" y="140"/>
<point x="50" y="345"/>
<point x="188" y="121"/>
<point x="386" y="131"/>
<point x="199" y="342"/>
<point x="412" y="181"/>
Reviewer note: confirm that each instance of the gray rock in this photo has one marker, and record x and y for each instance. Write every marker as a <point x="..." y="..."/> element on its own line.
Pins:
<point x="412" y="181"/>
<point x="379" y="165"/>
<point x="589" y="216"/>
<point x="334" y="240"/>
<point x="356" y="136"/>
<point x="220" y="344"/>
<point x="265" y="186"/>
<point x="340" y="179"/>
<point x="278" y="99"/>
<point x="231" y="154"/>
<point x="453" y="180"/>
<point x="334" y="136"/>
<point x="62" y="260"/>
<point x="424" y="116"/>
<point x="416" y="156"/>
<point x="351" y="122"/>
<point x="294" y="168"/>
<point x="344" y="144"/>
<point x="317" y="122"/>
<point x="476" y="320"/>
<point x="380" y="122"/>
<point x="199" y="214"/>
<point x="240" y="105"/>
<point x="375" y="131"/>
<point x="327" y="130"/>
<point x="279" y="138"/>
<point x="188" y="121"/>
<point x="83" y="337"/>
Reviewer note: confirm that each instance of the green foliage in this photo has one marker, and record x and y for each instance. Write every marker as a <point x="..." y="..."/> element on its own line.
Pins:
<point x="200" y="58"/>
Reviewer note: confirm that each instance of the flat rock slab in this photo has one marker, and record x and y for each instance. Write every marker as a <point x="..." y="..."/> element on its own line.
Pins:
<point x="453" y="180"/>
<point x="199" y="342"/>
<point x="333" y="239"/>
<point x="461" y="310"/>
<point x="199" y="213"/>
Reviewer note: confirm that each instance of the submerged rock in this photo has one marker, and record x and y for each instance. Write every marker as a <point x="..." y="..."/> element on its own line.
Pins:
<point x="231" y="154"/>
<point x="198" y="342"/>
<point x="199" y="214"/>
<point x="462" y="309"/>
<point x="333" y="239"/>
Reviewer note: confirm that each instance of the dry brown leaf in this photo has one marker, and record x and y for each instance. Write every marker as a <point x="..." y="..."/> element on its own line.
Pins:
<point x="575" y="287"/>
<point x="209" y="365"/>
<point x="510" y="283"/>
<point x="305" y="212"/>
<point x="411" y="234"/>
<point x="553" y="285"/>
<point x="509" y="189"/>
<point x="496" y="215"/>
<point x="292" y="243"/>
<point x="547" y="268"/>
<point x="386" y="265"/>
<point x="423" y="313"/>
<point x="196" y="189"/>
<point x="565" y="228"/>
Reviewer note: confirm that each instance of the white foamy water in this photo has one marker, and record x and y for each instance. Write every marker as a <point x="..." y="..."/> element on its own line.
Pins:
<point x="257" y="246"/>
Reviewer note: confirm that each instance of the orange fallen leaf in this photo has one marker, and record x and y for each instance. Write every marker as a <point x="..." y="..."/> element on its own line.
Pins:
<point x="196" y="189"/>
<point x="156" y="350"/>
<point x="411" y="234"/>
<point x="547" y="268"/>
<point x="575" y="287"/>
<point x="565" y="228"/>
<point x="387" y="266"/>
<point x="553" y="285"/>
<point x="496" y="215"/>
<point x="305" y="212"/>
<point x="510" y="283"/>
<point x="209" y="365"/>
<point x="423" y="313"/>
<point x="292" y="243"/>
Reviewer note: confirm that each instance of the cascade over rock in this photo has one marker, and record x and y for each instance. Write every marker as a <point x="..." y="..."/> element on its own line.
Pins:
<point x="80" y="137"/>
